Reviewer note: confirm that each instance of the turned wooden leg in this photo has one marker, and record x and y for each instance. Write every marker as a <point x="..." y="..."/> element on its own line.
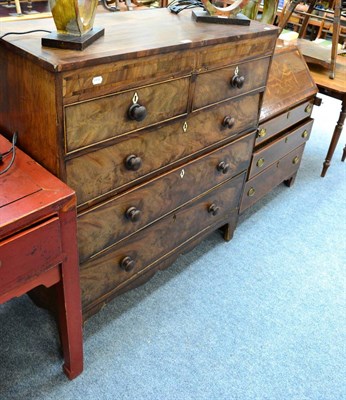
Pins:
<point x="343" y="154"/>
<point x="335" y="137"/>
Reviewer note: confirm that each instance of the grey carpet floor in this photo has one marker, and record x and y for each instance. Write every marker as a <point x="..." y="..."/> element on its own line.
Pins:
<point x="260" y="317"/>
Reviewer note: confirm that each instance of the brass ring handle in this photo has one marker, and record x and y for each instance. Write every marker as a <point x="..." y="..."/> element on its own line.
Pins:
<point x="251" y="192"/>
<point x="305" y="134"/>
<point x="127" y="264"/>
<point x="308" y="108"/>
<point x="262" y="132"/>
<point x="213" y="209"/>
<point x="133" y="162"/>
<point x="133" y="214"/>
<point x="223" y="167"/>
<point x="260" y="162"/>
<point x="295" y="160"/>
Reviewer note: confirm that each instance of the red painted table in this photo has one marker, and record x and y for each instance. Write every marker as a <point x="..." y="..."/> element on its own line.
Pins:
<point x="38" y="245"/>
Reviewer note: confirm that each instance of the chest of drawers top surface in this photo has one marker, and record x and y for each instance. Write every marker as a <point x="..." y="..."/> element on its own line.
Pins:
<point x="129" y="35"/>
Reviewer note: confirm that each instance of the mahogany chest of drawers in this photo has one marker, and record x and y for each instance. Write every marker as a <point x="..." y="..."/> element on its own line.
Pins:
<point x="284" y="126"/>
<point x="153" y="130"/>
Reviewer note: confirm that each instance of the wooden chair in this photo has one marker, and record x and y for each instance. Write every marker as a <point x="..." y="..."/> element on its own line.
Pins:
<point x="316" y="53"/>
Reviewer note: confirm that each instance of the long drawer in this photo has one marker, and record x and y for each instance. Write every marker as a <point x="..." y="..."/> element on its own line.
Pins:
<point x="269" y="154"/>
<point x="103" y="225"/>
<point x="264" y="182"/>
<point x="107" y="170"/>
<point x="284" y="121"/>
<point x="218" y="85"/>
<point x="100" y="119"/>
<point x="127" y="260"/>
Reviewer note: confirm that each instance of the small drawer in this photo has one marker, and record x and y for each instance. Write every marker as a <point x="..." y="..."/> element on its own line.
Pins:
<point x="264" y="182"/>
<point x="128" y="259"/>
<point x="218" y="85"/>
<point x="107" y="170"/>
<point x="104" y="225"/>
<point x="97" y="120"/>
<point x="90" y="82"/>
<point x="282" y="122"/>
<point x="274" y="151"/>
<point x="27" y="254"/>
<point x="239" y="50"/>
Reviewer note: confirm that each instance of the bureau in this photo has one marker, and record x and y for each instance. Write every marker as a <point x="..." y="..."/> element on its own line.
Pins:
<point x="284" y="127"/>
<point x="153" y="130"/>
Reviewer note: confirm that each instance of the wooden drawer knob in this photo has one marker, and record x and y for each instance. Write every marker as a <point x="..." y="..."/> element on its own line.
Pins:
<point x="223" y="167"/>
<point x="127" y="264"/>
<point x="237" y="81"/>
<point x="213" y="209"/>
<point x="133" y="214"/>
<point x="137" y="112"/>
<point x="228" y="122"/>
<point x="133" y="163"/>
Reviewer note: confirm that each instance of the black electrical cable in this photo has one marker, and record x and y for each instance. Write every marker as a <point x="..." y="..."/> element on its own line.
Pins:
<point x="177" y="6"/>
<point x="13" y="151"/>
<point x="24" y="33"/>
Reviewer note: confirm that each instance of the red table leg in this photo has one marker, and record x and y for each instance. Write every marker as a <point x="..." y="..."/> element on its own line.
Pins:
<point x="69" y="300"/>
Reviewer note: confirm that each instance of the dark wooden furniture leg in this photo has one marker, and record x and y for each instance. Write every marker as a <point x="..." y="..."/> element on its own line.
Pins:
<point x="335" y="137"/>
<point x="343" y="154"/>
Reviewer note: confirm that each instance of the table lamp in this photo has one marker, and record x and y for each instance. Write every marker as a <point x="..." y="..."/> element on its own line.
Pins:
<point x="74" y="21"/>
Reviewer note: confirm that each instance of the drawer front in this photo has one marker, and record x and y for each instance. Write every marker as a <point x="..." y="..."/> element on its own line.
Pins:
<point x="269" y="154"/>
<point x="104" y="225"/>
<point x="127" y="260"/>
<point x="94" y="121"/>
<point x="105" y="79"/>
<point x="26" y="255"/>
<point x="222" y="55"/>
<point x="284" y="121"/>
<point x="215" y="86"/>
<point x="105" y="171"/>
<point x="264" y="182"/>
